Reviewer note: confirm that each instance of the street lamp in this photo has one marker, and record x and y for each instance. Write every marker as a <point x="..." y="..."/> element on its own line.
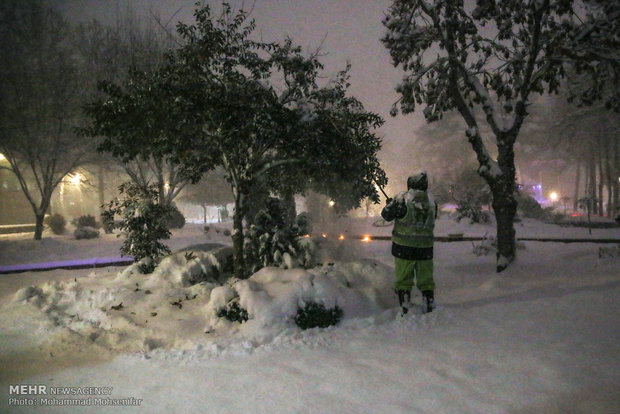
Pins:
<point x="553" y="196"/>
<point x="75" y="180"/>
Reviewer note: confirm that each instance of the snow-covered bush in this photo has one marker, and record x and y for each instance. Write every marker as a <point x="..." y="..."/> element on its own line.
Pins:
<point x="470" y="207"/>
<point x="487" y="245"/>
<point x="86" y="232"/>
<point x="316" y="315"/>
<point x="143" y="223"/>
<point x="56" y="223"/>
<point x="271" y="241"/>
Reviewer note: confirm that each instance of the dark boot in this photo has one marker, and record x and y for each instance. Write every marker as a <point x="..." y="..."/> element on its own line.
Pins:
<point x="404" y="299"/>
<point x="428" y="301"/>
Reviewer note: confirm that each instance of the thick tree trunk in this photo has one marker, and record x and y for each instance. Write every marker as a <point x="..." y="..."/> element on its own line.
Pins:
<point x="503" y="188"/>
<point x="505" y="208"/>
<point x="288" y="199"/>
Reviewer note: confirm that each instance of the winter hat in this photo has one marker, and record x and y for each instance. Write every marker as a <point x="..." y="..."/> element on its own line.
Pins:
<point x="418" y="181"/>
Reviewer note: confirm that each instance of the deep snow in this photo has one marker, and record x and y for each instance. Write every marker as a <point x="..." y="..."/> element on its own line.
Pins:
<point x="541" y="337"/>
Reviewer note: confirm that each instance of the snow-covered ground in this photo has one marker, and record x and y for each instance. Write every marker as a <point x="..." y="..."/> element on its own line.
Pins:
<point x="541" y="337"/>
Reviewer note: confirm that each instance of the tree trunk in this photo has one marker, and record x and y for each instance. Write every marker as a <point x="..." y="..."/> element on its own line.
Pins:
<point x="609" y="179"/>
<point x="503" y="188"/>
<point x="38" y="229"/>
<point x="591" y="182"/>
<point x="237" y="235"/>
<point x="288" y="199"/>
<point x="577" y="182"/>
<point x="601" y="182"/>
<point x="615" y="175"/>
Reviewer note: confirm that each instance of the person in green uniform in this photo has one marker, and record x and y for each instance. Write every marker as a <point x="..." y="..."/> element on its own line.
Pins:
<point x="413" y="212"/>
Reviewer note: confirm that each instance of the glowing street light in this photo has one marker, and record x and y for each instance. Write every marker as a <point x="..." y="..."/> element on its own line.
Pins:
<point x="553" y="196"/>
<point x="331" y="203"/>
<point x="75" y="180"/>
<point x="366" y="238"/>
<point x="2" y="157"/>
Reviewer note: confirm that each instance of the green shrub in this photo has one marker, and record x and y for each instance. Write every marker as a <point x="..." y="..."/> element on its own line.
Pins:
<point x="56" y="223"/>
<point x="176" y="220"/>
<point x="85" y="221"/>
<point x="107" y="220"/>
<point x="233" y="312"/>
<point x="529" y="207"/>
<point x="315" y="315"/>
<point x="471" y="208"/>
<point x="271" y="238"/>
<point x="143" y="223"/>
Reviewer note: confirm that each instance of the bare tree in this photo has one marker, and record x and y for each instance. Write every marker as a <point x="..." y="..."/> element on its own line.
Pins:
<point x="40" y="101"/>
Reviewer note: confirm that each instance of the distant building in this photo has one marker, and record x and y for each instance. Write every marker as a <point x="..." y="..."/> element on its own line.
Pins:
<point x="14" y="207"/>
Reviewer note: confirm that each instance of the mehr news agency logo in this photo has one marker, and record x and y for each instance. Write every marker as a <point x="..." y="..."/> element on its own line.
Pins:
<point x="48" y="396"/>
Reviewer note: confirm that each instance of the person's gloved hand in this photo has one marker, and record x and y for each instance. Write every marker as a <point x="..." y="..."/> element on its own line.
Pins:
<point x="389" y="200"/>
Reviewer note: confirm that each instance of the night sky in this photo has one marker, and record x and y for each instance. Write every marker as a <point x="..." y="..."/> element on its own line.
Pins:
<point x="349" y="30"/>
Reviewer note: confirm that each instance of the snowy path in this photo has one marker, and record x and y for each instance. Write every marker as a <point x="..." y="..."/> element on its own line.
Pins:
<point x="552" y="352"/>
<point x="542" y="337"/>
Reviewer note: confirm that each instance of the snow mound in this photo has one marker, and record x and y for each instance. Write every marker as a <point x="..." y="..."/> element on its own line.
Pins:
<point x="177" y="306"/>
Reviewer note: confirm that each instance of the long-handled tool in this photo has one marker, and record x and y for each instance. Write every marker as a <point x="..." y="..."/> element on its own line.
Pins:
<point x="381" y="189"/>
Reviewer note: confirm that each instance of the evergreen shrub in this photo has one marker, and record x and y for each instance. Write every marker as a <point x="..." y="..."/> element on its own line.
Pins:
<point x="56" y="223"/>
<point x="176" y="220"/>
<point x="233" y="312"/>
<point x="143" y="223"/>
<point x="85" y="221"/>
<point x="316" y="315"/>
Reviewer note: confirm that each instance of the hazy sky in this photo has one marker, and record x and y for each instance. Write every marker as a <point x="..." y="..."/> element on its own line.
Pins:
<point x="351" y="30"/>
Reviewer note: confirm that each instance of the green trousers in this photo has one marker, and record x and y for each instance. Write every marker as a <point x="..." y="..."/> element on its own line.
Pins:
<point x="420" y="270"/>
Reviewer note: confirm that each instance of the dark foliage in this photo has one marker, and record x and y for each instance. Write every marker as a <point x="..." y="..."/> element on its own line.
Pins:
<point x="233" y="312"/>
<point x="176" y="220"/>
<point x="471" y="208"/>
<point x="56" y="223"/>
<point x="143" y="223"/>
<point x="271" y="237"/>
<point x="85" y="221"/>
<point x="316" y="315"/>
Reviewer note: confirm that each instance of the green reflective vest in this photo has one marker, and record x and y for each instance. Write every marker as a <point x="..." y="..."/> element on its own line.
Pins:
<point x="416" y="228"/>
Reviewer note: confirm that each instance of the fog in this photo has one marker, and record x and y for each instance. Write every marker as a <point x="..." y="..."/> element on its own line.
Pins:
<point x="349" y="31"/>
